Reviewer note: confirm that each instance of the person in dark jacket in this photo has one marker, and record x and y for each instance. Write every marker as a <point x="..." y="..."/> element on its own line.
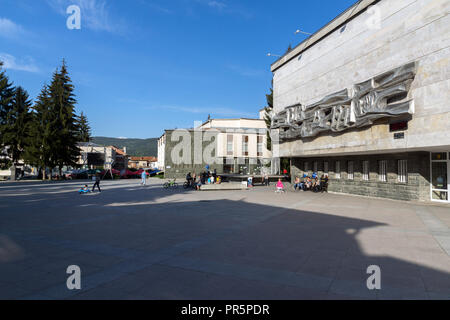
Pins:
<point x="97" y="183"/>
<point x="203" y="177"/>
<point x="189" y="179"/>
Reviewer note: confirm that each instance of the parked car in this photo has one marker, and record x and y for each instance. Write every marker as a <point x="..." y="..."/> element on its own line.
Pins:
<point x="79" y="174"/>
<point x="67" y="175"/>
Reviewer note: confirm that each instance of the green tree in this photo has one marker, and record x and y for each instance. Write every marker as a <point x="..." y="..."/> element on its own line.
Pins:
<point x="268" y="117"/>
<point x="84" y="128"/>
<point x="6" y="99"/>
<point x="16" y="126"/>
<point x="65" y="150"/>
<point x="39" y="151"/>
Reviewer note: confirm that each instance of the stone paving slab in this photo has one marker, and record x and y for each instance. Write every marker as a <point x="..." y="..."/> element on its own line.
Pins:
<point x="135" y="242"/>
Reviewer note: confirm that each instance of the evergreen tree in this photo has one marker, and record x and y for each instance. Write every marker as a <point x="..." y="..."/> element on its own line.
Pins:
<point x="6" y="98"/>
<point x="63" y="124"/>
<point x="268" y="117"/>
<point x="84" y="128"/>
<point x="39" y="151"/>
<point x="16" y="126"/>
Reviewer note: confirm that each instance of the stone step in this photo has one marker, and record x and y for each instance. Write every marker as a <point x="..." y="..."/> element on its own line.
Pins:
<point x="223" y="186"/>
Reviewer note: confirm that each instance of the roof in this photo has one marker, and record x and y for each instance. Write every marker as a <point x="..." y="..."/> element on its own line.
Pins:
<point x="118" y="151"/>
<point x="333" y="25"/>
<point x="210" y="120"/>
<point x="231" y="119"/>
<point x="88" y="144"/>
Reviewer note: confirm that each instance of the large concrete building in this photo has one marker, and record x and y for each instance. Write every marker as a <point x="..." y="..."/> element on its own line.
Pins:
<point x="230" y="146"/>
<point x="366" y="100"/>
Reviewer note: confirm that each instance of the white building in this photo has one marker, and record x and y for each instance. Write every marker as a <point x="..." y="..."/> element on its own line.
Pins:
<point x="240" y="146"/>
<point x="94" y="155"/>
<point x="160" y="165"/>
<point x="366" y="100"/>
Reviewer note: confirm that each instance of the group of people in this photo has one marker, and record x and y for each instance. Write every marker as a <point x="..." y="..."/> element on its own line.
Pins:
<point x="86" y="189"/>
<point x="206" y="177"/>
<point x="312" y="183"/>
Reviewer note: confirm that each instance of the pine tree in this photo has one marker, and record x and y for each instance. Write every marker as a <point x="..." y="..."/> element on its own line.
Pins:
<point x="6" y="98"/>
<point x="268" y="117"/>
<point x="16" y="127"/>
<point x="65" y="150"/>
<point x="39" y="151"/>
<point x="84" y="128"/>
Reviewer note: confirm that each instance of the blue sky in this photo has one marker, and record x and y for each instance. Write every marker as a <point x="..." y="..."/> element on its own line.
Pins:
<point x="143" y="66"/>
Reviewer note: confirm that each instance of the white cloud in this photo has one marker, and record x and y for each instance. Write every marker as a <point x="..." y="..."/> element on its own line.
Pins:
<point x="9" y="29"/>
<point x="94" y="14"/>
<point x="156" y="7"/>
<point x="212" y="111"/>
<point x="222" y="7"/>
<point x="216" y="4"/>
<point x="245" y="71"/>
<point x="10" y="62"/>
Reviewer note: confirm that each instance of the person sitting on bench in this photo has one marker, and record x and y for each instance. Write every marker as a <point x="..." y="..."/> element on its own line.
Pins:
<point x="298" y="184"/>
<point x="308" y="184"/>
<point x="324" y="183"/>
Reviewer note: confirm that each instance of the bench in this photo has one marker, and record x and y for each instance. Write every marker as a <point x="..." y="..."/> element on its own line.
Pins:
<point x="224" y="186"/>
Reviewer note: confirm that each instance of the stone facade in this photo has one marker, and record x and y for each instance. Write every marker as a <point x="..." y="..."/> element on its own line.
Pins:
<point x="416" y="187"/>
<point x="410" y="31"/>
<point x="369" y="40"/>
<point x="174" y="169"/>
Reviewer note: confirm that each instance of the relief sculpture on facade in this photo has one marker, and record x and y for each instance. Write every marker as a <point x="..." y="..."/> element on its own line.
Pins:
<point x="380" y="97"/>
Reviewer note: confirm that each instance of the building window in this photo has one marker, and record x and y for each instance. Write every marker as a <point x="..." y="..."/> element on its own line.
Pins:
<point x="245" y="145"/>
<point x="442" y="156"/>
<point x="403" y="171"/>
<point x="228" y="165"/>
<point x="315" y="166"/>
<point x="260" y="146"/>
<point x="325" y="167"/>
<point x="382" y="169"/>
<point x="230" y="145"/>
<point x="350" y="173"/>
<point x="366" y="174"/>
<point x="338" y="170"/>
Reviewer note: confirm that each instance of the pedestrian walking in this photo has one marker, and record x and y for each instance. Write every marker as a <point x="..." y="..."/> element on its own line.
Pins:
<point x="97" y="183"/>
<point x="266" y="180"/>
<point x="144" y="178"/>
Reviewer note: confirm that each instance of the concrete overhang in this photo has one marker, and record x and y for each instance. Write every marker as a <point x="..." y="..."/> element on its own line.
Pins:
<point x="371" y="152"/>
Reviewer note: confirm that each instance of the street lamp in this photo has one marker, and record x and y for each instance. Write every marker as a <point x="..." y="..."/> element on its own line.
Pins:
<point x="273" y="55"/>
<point x="300" y="31"/>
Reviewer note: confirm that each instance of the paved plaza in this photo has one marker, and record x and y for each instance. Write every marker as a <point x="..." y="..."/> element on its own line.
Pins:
<point x="134" y="242"/>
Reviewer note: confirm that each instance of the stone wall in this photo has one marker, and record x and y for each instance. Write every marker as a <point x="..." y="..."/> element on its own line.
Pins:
<point x="416" y="188"/>
<point x="179" y="170"/>
<point x="409" y="31"/>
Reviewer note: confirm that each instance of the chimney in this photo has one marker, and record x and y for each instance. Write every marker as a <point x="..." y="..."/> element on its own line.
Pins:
<point x="125" y="150"/>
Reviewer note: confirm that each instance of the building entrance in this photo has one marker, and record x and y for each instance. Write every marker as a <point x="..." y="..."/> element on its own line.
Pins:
<point x="440" y="171"/>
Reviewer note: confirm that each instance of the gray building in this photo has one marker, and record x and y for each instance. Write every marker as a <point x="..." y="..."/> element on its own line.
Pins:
<point x="365" y="100"/>
<point x="230" y="146"/>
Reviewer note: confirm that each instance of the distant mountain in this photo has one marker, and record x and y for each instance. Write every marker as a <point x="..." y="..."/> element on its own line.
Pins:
<point x="135" y="147"/>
